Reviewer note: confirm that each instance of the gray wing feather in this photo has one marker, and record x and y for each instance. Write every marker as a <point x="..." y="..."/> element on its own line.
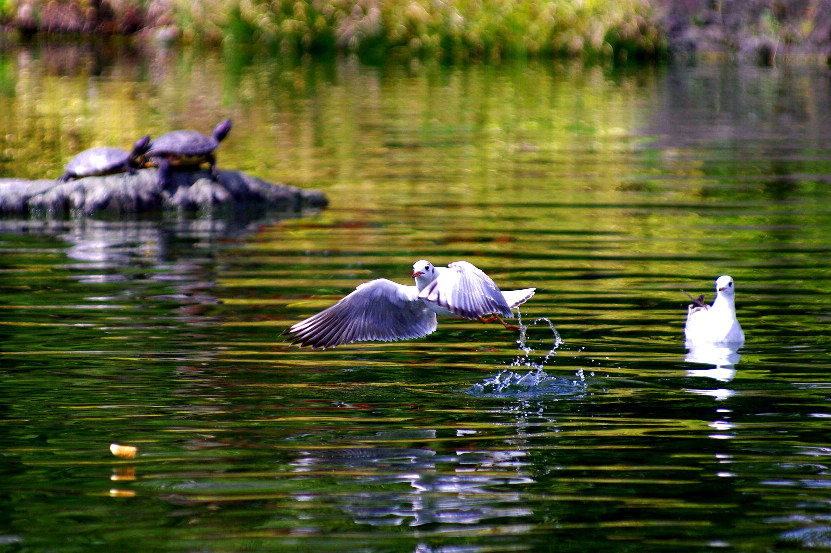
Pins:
<point x="515" y="298"/>
<point x="466" y="291"/>
<point x="377" y="310"/>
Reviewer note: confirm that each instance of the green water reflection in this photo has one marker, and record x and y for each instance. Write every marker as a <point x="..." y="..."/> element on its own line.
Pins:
<point x="608" y="190"/>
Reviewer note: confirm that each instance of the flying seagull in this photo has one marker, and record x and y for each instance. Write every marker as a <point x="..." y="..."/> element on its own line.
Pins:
<point x="387" y="311"/>
<point x="716" y="323"/>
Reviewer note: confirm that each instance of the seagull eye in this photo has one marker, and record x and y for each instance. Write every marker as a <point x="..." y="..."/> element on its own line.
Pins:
<point x="426" y="268"/>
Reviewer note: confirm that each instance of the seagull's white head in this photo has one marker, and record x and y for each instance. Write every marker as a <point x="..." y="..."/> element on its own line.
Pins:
<point x="724" y="286"/>
<point x="424" y="273"/>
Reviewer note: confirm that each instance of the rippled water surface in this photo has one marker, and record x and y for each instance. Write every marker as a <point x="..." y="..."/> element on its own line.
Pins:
<point x="608" y="190"/>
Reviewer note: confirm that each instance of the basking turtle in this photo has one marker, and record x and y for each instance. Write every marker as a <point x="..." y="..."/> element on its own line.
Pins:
<point x="106" y="161"/>
<point x="186" y="148"/>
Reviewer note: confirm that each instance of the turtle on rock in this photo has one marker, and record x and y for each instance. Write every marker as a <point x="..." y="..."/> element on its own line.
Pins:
<point x="106" y="161"/>
<point x="186" y="148"/>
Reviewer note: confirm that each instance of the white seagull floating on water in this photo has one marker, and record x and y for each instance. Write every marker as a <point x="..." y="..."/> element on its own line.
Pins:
<point x="716" y="323"/>
<point x="385" y="310"/>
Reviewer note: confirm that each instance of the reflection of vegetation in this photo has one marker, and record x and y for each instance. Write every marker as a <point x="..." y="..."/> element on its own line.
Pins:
<point x="537" y="141"/>
<point x="393" y="119"/>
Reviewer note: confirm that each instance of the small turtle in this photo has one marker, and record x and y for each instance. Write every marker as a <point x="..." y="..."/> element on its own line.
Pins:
<point x="106" y="161"/>
<point x="186" y="149"/>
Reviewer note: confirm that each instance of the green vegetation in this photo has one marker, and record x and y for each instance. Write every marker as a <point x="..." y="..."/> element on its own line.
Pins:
<point x="447" y="30"/>
<point x="455" y="30"/>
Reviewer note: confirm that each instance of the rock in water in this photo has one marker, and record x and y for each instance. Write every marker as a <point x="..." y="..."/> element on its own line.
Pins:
<point x="141" y="192"/>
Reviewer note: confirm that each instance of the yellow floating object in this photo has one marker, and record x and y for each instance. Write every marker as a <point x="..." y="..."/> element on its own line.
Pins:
<point x="125" y="451"/>
<point x="122" y="493"/>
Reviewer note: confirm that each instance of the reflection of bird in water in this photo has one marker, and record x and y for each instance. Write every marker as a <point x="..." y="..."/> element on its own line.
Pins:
<point x="413" y="485"/>
<point x="723" y="359"/>
<point x="716" y="323"/>
<point x="385" y="310"/>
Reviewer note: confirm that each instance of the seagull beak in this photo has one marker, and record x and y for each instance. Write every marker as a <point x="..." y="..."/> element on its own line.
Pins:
<point x="722" y="289"/>
<point x="416" y="274"/>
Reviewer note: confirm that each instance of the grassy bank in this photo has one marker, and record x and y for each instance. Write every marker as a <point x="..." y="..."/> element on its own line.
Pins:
<point x="764" y="31"/>
<point x="452" y="30"/>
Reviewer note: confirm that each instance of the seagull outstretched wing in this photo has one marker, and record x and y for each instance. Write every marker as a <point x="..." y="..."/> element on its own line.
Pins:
<point x="380" y="310"/>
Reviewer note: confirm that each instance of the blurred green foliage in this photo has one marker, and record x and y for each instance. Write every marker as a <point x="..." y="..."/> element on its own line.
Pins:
<point x="454" y="30"/>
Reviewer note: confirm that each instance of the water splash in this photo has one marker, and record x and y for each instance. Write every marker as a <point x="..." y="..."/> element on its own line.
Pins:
<point x="523" y="337"/>
<point x="533" y="383"/>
